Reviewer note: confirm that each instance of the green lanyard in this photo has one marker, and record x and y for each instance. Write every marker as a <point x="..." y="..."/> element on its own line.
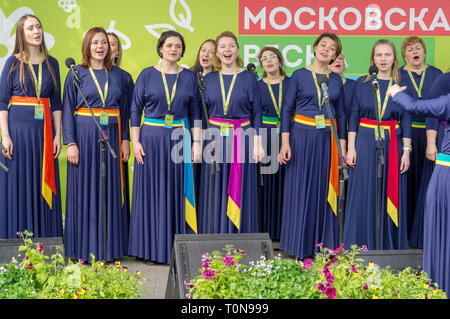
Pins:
<point x="280" y="94"/>
<point x="319" y="94"/>
<point x="386" y="98"/>
<point x="226" y="101"/>
<point x="102" y="96"/>
<point x="166" y="88"/>
<point x="422" y="78"/>
<point x="37" y="80"/>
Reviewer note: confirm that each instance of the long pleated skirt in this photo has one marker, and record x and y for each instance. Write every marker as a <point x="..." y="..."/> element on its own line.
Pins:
<point x="416" y="238"/>
<point x="271" y="194"/>
<point x="360" y="225"/>
<point x="84" y="233"/>
<point x="22" y="206"/>
<point x="436" y="242"/>
<point x="158" y="203"/>
<point x="215" y="220"/>
<point x="308" y="220"/>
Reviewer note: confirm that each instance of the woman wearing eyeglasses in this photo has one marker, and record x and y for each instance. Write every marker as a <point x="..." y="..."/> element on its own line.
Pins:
<point x="273" y="87"/>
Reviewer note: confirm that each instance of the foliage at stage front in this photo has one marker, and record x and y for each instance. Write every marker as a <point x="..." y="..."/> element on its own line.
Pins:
<point x="38" y="276"/>
<point x="332" y="274"/>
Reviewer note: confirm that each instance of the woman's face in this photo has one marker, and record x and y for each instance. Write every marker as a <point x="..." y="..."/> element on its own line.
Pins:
<point x="415" y="55"/>
<point x="33" y="32"/>
<point x="99" y="46"/>
<point x="325" y="51"/>
<point x="227" y="50"/>
<point x="338" y="66"/>
<point x="171" y="49"/>
<point x="206" y="55"/>
<point x="383" y="57"/>
<point x="114" y="47"/>
<point x="270" y="62"/>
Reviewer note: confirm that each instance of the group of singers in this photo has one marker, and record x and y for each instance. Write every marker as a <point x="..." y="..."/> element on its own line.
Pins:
<point x="297" y="204"/>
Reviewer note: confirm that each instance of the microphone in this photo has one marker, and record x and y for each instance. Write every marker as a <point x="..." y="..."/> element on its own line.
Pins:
<point x="198" y="70"/>
<point x="70" y="63"/>
<point x="252" y="68"/>
<point x="373" y="71"/>
<point x="322" y="81"/>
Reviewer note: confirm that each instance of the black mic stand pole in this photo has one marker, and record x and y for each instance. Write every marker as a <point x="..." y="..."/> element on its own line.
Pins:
<point x="3" y="166"/>
<point x="214" y="165"/>
<point x="379" y="147"/>
<point x="343" y="171"/>
<point x="103" y="141"/>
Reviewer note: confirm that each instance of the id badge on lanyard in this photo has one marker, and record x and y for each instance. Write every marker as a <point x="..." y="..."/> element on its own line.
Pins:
<point x="38" y="109"/>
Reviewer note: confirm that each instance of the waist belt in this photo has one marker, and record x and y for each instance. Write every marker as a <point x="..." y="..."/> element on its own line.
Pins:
<point x="392" y="179"/>
<point x="234" y="190"/>
<point x="443" y="159"/>
<point x="48" y="164"/>
<point x="188" y="187"/>
<point x="417" y="124"/>
<point x="84" y="111"/>
<point x="272" y="120"/>
<point x="333" y="183"/>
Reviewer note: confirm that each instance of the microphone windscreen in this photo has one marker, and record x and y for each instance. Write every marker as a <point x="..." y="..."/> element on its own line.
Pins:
<point x="198" y="68"/>
<point x="251" y="67"/>
<point x="69" y="62"/>
<point x="322" y="79"/>
<point x="373" y="69"/>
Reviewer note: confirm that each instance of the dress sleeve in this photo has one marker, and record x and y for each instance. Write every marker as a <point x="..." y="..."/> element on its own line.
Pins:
<point x="69" y="104"/>
<point x="137" y="104"/>
<point x="55" y="97"/>
<point x="287" y="107"/>
<point x="438" y="107"/>
<point x="6" y="87"/>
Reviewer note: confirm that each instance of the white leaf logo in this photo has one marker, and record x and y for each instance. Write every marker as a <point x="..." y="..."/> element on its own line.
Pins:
<point x="126" y="39"/>
<point x="181" y="20"/>
<point x="152" y="28"/>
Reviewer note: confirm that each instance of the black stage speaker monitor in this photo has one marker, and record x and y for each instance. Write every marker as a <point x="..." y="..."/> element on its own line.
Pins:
<point x="188" y="250"/>
<point x="395" y="259"/>
<point x="9" y="248"/>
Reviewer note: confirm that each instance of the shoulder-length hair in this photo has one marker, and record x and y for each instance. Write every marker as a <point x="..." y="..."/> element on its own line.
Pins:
<point x="163" y="38"/>
<point x="86" y="48"/>
<point x="216" y="61"/>
<point x="22" y="51"/>
<point x="117" y="59"/>
<point x="278" y="54"/>
<point x="395" y="74"/>
<point x="197" y="59"/>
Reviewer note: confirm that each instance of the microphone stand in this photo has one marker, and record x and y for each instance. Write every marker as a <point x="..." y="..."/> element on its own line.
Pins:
<point x="343" y="171"/>
<point x="103" y="141"/>
<point x="379" y="147"/>
<point x="214" y="165"/>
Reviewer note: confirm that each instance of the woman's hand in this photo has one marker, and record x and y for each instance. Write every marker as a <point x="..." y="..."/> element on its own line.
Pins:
<point x="56" y="146"/>
<point x="138" y="152"/>
<point x="125" y="150"/>
<point x="73" y="154"/>
<point x="404" y="164"/>
<point x="196" y="152"/>
<point x="8" y="144"/>
<point x="351" y="157"/>
<point x="285" y="153"/>
<point x="394" y="89"/>
<point x="258" y="150"/>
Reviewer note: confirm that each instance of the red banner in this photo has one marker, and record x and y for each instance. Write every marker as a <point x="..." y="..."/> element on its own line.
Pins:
<point x="344" y="17"/>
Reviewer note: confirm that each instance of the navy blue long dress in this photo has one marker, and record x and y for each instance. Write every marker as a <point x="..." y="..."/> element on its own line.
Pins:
<point x="418" y="175"/>
<point x="308" y="219"/>
<point x="436" y="241"/>
<point x="349" y="88"/>
<point x="271" y="195"/>
<point x="84" y="204"/>
<point x="244" y="104"/>
<point x="158" y="204"/>
<point x="360" y="226"/>
<point x="22" y="206"/>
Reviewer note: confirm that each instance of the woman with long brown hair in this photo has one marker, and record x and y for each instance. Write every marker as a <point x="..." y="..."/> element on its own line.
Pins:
<point x="360" y="226"/>
<point x="102" y="85"/>
<point x="31" y="133"/>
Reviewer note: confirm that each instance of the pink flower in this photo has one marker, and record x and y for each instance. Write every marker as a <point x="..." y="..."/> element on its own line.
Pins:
<point x="364" y="248"/>
<point x="307" y="264"/>
<point x="30" y="266"/>
<point x="321" y="287"/>
<point x="41" y="247"/>
<point x="228" y="261"/>
<point x="206" y="265"/>
<point x="209" y="274"/>
<point x="330" y="292"/>
<point x="205" y="257"/>
<point x="366" y="287"/>
<point x="353" y="268"/>
<point x="319" y="245"/>
<point x="329" y="277"/>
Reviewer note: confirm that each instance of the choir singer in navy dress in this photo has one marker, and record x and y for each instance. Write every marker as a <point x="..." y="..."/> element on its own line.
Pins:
<point x="360" y="226"/>
<point x="103" y="86"/>
<point x="233" y="101"/>
<point x="273" y="87"/>
<point x="419" y="77"/>
<point x="163" y="199"/>
<point x="308" y="149"/>
<point x="436" y="239"/>
<point x="30" y="197"/>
